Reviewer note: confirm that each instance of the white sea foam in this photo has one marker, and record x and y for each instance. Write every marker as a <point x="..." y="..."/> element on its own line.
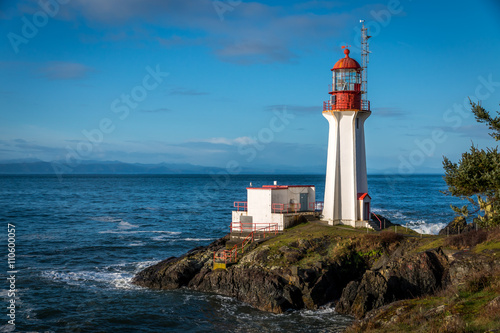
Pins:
<point x="140" y="232"/>
<point x="117" y="276"/>
<point x="118" y="280"/>
<point x="106" y="219"/>
<point x="426" y="228"/>
<point x="123" y="225"/>
<point x="320" y="311"/>
<point x="420" y="226"/>
<point x="162" y="238"/>
<point x="139" y="266"/>
<point x="134" y="267"/>
<point x="390" y="214"/>
<point x="196" y="239"/>
<point x="7" y="328"/>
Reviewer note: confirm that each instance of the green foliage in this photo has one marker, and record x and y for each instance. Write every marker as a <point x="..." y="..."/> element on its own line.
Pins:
<point x="476" y="177"/>
<point x="484" y="116"/>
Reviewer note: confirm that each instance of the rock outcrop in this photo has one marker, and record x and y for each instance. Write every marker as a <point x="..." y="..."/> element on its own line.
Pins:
<point x="400" y="278"/>
<point x="312" y="265"/>
<point x="175" y="273"/>
<point x="270" y="279"/>
<point x="457" y="226"/>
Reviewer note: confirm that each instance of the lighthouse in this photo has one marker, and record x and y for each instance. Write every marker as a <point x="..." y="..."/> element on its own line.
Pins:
<point x="346" y="198"/>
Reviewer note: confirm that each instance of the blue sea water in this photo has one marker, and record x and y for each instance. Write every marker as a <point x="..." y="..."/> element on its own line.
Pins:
<point x="80" y="240"/>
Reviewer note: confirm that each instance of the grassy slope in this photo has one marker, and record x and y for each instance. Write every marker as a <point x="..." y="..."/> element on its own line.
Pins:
<point x="319" y="242"/>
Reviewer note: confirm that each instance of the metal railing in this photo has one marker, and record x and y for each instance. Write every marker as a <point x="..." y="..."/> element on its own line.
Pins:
<point x="285" y="208"/>
<point x="249" y="226"/>
<point x="346" y="105"/>
<point x="378" y="220"/>
<point x="241" y="206"/>
<point x="316" y="206"/>
<point x="232" y="254"/>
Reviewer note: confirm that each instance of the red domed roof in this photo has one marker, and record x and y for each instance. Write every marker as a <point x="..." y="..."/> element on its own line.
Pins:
<point x="346" y="63"/>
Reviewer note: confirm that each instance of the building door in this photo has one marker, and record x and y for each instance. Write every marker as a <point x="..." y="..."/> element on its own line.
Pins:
<point x="304" y="202"/>
<point x="246" y="224"/>
<point x="367" y="211"/>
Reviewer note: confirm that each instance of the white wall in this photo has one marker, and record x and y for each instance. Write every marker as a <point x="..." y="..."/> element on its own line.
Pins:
<point x="259" y="205"/>
<point x="362" y="181"/>
<point x="346" y="166"/>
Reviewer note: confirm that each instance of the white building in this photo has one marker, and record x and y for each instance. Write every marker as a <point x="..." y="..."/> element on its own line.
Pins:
<point x="346" y="187"/>
<point x="273" y="206"/>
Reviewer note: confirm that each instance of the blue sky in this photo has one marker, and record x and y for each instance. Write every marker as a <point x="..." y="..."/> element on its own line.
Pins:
<point x="224" y="83"/>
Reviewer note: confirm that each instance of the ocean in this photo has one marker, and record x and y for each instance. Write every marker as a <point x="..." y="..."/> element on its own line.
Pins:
<point x="79" y="241"/>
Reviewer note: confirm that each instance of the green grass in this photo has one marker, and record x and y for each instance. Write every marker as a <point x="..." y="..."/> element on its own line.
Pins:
<point x="310" y="231"/>
<point x="430" y="243"/>
<point x="326" y="243"/>
<point x="403" y="230"/>
<point x="492" y="247"/>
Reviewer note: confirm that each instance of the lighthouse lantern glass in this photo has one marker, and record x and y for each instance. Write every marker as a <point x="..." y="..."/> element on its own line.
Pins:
<point x="347" y="80"/>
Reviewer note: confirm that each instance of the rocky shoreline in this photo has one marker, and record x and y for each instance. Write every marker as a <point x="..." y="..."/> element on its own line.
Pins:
<point x="312" y="265"/>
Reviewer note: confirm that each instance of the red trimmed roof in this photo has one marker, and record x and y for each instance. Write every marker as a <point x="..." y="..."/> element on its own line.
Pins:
<point x="346" y="62"/>
<point x="361" y="196"/>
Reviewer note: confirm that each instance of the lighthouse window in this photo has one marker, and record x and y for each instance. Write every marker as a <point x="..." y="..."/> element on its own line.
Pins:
<point x="346" y="79"/>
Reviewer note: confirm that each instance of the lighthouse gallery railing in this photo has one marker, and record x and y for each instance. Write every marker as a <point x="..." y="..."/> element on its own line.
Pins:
<point x="348" y="105"/>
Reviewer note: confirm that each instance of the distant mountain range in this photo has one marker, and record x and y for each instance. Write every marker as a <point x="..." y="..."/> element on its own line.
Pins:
<point x="37" y="167"/>
<point x="33" y="166"/>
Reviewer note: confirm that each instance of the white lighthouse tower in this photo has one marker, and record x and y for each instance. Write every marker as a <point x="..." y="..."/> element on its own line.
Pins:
<point x="346" y="189"/>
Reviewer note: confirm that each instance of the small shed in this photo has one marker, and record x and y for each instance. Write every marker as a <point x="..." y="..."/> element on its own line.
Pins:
<point x="364" y="200"/>
<point x="273" y="205"/>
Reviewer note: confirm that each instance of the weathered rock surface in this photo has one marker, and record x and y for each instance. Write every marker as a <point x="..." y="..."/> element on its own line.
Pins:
<point x="359" y="272"/>
<point x="252" y="280"/>
<point x="400" y="278"/>
<point x="174" y="273"/>
<point x="465" y="264"/>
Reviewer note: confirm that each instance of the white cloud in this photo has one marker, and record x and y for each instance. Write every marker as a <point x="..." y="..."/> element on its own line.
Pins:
<point x="244" y="140"/>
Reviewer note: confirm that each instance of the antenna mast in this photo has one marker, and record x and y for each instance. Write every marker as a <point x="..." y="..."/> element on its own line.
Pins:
<point x="364" y="60"/>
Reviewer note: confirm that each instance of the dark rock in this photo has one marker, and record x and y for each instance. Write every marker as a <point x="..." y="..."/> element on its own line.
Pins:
<point x="457" y="226"/>
<point x="292" y="255"/>
<point x="381" y="262"/>
<point x="174" y="273"/>
<point x="466" y="264"/>
<point x="403" y="277"/>
<point x="277" y="280"/>
<point x="266" y="291"/>
<point x="252" y="281"/>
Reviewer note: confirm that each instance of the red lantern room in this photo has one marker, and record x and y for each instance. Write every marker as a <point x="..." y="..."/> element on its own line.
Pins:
<point x="346" y="89"/>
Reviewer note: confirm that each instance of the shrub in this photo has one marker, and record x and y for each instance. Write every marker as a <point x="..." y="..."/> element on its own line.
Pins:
<point x="389" y="237"/>
<point x="494" y="233"/>
<point x="477" y="282"/>
<point x="467" y="239"/>
<point x="372" y="239"/>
